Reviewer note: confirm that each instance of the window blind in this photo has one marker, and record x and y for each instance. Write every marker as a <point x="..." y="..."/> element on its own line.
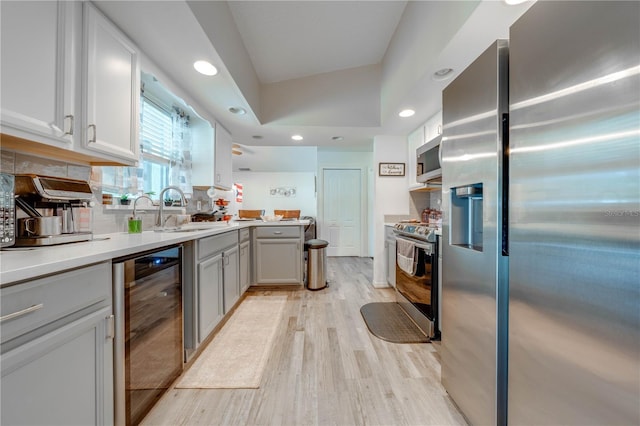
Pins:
<point x="155" y="131"/>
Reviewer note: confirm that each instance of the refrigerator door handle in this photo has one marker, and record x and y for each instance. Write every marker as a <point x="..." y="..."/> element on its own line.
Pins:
<point x="505" y="184"/>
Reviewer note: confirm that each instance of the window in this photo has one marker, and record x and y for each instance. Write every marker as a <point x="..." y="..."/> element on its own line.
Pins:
<point x="156" y="142"/>
<point x="165" y="157"/>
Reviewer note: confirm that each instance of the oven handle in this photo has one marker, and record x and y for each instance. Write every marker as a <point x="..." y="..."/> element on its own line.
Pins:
<point x="429" y="247"/>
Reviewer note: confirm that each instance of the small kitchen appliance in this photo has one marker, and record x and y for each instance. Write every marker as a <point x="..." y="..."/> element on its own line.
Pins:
<point x="428" y="162"/>
<point x="52" y="211"/>
<point x="7" y="210"/>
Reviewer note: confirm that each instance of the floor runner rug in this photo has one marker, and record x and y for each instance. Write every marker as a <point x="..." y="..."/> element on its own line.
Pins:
<point x="238" y="354"/>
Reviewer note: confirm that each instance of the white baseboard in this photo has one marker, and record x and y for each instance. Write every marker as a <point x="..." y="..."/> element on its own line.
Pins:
<point x="380" y="284"/>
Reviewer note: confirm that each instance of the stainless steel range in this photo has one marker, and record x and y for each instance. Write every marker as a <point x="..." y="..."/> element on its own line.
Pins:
<point x="417" y="289"/>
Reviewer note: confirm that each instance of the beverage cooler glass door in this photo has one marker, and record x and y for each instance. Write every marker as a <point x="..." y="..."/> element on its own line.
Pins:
<point x="148" y="346"/>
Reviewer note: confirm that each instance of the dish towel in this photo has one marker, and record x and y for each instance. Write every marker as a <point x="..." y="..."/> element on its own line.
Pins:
<point x="406" y="256"/>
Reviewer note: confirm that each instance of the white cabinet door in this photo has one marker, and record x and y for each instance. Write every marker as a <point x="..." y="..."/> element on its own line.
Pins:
<point x="63" y="377"/>
<point x="38" y="71"/>
<point x="414" y="140"/>
<point x="210" y="307"/>
<point x="202" y="159"/>
<point x="244" y="266"/>
<point x="231" y="281"/>
<point x="111" y="77"/>
<point x="223" y="168"/>
<point x="278" y="261"/>
<point x="433" y="127"/>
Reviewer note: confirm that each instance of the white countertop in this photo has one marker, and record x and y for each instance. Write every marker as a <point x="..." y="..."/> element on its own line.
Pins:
<point x="19" y="264"/>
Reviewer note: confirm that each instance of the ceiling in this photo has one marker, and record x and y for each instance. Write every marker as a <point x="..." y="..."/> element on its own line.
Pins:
<point x="321" y="69"/>
<point x="288" y="40"/>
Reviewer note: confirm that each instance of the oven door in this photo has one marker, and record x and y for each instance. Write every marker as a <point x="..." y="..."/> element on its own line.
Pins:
<point x="417" y="293"/>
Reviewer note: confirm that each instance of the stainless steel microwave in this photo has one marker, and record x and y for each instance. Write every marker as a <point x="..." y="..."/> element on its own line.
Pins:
<point x="428" y="160"/>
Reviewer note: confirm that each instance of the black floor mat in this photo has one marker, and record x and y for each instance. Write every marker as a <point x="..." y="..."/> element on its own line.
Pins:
<point x="387" y="321"/>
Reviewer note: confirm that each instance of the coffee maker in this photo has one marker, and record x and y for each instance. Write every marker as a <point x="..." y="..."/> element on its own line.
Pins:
<point x="53" y="210"/>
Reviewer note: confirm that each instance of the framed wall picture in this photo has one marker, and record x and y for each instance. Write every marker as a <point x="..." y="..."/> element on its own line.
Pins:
<point x="391" y="169"/>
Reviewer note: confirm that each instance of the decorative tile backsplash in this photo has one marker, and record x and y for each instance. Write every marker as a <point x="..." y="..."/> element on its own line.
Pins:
<point x="20" y="163"/>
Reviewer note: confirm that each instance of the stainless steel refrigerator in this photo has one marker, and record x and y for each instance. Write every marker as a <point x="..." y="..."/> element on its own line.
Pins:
<point x="541" y="225"/>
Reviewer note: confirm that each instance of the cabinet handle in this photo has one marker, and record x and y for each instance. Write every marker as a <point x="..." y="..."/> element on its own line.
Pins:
<point x="111" y="327"/>
<point x="277" y="232"/>
<point x="70" y="117"/>
<point x="22" y="312"/>
<point x="95" y="133"/>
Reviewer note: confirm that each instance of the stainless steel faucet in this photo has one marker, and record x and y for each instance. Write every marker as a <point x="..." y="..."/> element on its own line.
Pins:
<point x="136" y="202"/>
<point x="160" y="219"/>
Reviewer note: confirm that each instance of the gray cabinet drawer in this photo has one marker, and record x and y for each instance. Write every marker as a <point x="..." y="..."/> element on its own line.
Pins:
<point x="27" y="306"/>
<point x="244" y="234"/>
<point x="216" y="243"/>
<point x="277" y="232"/>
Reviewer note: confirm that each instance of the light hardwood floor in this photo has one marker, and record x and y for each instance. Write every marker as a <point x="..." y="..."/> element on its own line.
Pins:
<point x="326" y="368"/>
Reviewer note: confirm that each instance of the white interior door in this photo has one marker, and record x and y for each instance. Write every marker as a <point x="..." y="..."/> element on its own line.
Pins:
<point x="341" y="211"/>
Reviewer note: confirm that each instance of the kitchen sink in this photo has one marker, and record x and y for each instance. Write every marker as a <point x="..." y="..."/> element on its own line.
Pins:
<point x="197" y="226"/>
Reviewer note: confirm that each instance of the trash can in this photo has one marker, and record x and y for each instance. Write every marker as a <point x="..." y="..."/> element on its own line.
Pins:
<point x="316" y="264"/>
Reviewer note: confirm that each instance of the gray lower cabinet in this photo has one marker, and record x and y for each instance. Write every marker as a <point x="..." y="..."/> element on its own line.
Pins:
<point x="230" y="274"/>
<point x="245" y="259"/>
<point x="217" y="283"/>
<point x="210" y="302"/>
<point x="245" y="266"/>
<point x="57" y="351"/>
<point x="278" y="255"/>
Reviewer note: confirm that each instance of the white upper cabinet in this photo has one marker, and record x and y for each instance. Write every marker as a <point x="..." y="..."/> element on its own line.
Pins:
<point x="223" y="169"/>
<point x="414" y="140"/>
<point x="212" y="162"/>
<point x="57" y="95"/>
<point x="433" y="127"/>
<point x="111" y="89"/>
<point x="38" y="71"/>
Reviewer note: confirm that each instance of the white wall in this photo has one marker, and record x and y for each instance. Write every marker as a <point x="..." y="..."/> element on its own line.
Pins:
<point x="391" y="197"/>
<point x="256" y="195"/>
<point x="277" y="159"/>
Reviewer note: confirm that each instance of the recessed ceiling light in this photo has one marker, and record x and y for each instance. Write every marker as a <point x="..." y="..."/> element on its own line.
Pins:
<point x="337" y="138"/>
<point x="237" y="110"/>
<point x="443" y="74"/>
<point x="204" y="67"/>
<point x="297" y="137"/>
<point x="406" y="113"/>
